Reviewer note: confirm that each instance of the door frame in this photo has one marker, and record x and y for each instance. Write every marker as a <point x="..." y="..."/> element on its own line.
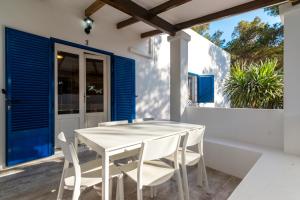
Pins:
<point x="105" y="86"/>
<point x="82" y="53"/>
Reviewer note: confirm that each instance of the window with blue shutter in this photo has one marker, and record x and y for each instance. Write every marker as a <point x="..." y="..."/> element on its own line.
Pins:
<point x="29" y="97"/>
<point x="123" y="88"/>
<point x="205" y="88"/>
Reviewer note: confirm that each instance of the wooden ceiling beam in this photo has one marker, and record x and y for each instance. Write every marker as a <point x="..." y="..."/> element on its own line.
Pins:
<point x="295" y="2"/>
<point x="256" y="4"/>
<point x="131" y="8"/>
<point x="168" y="5"/>
<point x="246" y="7"/>
<point x="151" y="33"/>
<point x="93" y="8"/>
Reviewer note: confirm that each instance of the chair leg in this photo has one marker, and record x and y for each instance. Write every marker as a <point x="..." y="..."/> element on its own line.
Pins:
<point x="200" y="173"/>
<point x="139" y="193"/>
<point x="205" y="174"/>
<point x="151" y="192"/>
<point x="185" y="183"/>
<point x="61" y="188"/>
<point x="61" y="184"/>
<point x="76" y="193"/>
<point x="110" y="187"/>
<point x="120" y="188"/>
<point x="179" y="183"/>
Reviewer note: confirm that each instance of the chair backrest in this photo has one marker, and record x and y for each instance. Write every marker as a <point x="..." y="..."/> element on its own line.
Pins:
<point x="194" y="137"/>
<point x="159" y="148"/>
<point x="68" y="149"/>
<point x="142" y="120"/>
<point x="113" y="123"/>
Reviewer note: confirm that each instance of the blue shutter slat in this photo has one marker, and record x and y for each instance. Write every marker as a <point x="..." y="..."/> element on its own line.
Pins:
<point x="205" y="88"/>
<point x="123" y="88"/>
<point x="29" y="116"/>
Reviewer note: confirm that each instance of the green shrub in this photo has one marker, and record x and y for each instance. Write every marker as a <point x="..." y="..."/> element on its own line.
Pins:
<point x="255" y="85"/>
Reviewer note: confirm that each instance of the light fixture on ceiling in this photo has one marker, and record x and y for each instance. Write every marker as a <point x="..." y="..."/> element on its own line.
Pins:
<point x="88" y="25"/>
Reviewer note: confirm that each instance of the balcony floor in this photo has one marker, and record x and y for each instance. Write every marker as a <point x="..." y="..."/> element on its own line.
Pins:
<point x="39" y="180"/>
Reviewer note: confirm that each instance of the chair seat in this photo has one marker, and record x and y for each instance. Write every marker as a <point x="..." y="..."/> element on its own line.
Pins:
<point x="91" y="174"/>
<point x="154" y="172"/>
<point x="191" y="157"/>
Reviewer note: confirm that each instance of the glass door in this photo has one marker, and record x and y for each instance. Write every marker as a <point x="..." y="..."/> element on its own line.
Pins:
<point x="95" y="90"/>
<point x="81" y="89"/>
<point x="68" y="91"/>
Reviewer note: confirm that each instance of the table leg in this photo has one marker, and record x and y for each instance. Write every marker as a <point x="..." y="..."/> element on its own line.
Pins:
<point x="105" y="176"/>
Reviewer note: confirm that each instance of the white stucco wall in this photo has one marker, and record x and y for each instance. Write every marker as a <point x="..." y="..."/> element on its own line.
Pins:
<point x="291" y="79"/>
<point x="253" y="126"/>
<point x="207" y="58"/>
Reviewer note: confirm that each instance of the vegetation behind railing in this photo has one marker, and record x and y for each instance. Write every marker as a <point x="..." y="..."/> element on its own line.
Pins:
<point x="255" y="85"/>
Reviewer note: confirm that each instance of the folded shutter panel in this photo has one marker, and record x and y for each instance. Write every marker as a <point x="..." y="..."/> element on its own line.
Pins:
<point x="29" y="116"/>
<point x="123" y="88"/>
<point x="205" y="88"/>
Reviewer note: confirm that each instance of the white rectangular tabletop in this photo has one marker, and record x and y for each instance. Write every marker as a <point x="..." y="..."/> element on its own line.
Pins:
<point x="116" y="137"/>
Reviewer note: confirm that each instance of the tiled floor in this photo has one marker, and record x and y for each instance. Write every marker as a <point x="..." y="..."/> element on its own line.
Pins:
<point x="40" y="181"/>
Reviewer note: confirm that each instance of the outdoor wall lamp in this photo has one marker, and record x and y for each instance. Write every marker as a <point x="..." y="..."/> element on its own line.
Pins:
<point x="88" y="25"/>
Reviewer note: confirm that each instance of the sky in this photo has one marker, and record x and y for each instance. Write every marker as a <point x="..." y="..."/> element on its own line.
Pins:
<point x="227" y="24"/>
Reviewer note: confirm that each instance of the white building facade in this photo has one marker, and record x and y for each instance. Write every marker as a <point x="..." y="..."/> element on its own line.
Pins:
<point x="65" y="28"/>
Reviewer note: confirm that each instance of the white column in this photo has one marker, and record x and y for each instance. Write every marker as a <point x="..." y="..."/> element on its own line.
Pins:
<point x="178" y="74"/>
<point x="292" y="81"/>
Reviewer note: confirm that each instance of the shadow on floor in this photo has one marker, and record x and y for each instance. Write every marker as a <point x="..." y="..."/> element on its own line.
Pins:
<point x="40" y="180"/>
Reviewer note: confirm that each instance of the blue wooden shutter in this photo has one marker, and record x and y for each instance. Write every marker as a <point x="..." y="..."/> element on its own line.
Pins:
<point x="29" y="108"/>
<point x="205" y="88"/>
<point x="123" y="88"/>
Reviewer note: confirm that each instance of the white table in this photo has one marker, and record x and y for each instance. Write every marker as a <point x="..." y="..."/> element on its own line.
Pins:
<point x="112" y="140"/>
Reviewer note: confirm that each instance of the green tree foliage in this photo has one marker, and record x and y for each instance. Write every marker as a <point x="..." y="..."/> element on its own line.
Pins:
<point x="201" y="29"/>
<point x="255" y="85"/>
<point x="272" y="11"/>
<point x="215" y="38"/>
<point x="253" y="42"/>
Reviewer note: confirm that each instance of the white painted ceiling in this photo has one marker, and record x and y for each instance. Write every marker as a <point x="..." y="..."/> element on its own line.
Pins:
<point x="187" y="11"/>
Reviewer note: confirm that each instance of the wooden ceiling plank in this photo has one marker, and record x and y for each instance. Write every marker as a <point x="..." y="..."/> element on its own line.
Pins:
<point x="252" y="5"/>
<point x="131" y="8"/>
<point x="94" y="7"/>
<point x="168" y="5"/>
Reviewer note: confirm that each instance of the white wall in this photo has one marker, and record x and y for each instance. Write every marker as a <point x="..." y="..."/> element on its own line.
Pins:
<point x="207" y="58"/>
<point x="253" y="126"/>
<point x="63" y="20"/>
<point x="291" y="80"/>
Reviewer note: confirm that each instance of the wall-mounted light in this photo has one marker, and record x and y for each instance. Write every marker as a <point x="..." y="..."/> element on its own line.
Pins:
<point x="88" y="25"/>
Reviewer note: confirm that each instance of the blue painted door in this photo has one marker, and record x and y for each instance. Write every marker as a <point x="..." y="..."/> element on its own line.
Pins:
<point x="29" y="102"/>
<point x="123" y="88"/>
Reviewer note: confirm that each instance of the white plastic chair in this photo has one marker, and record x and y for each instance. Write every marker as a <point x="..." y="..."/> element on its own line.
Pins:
<point x="140" y="120"/>
<point x="127" y="154"/>
<point x="79" y="177"/>
<point x="187" y="157"/>
<point x="149" y="170"/>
